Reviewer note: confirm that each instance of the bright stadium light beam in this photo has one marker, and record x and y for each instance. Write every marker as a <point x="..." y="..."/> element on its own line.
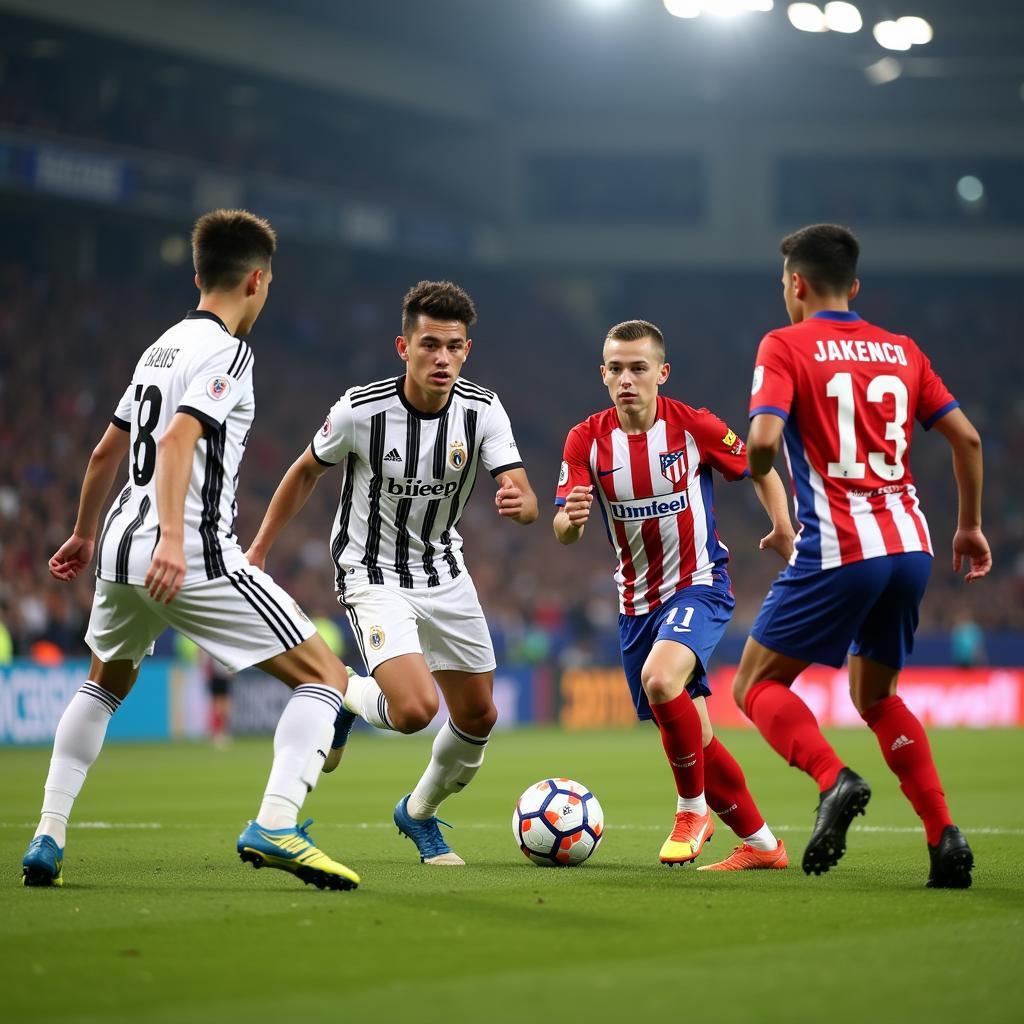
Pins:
<point x="970" y="189"/>
<point x="807" y="17"/>
<point x="683" y="8"/>
<point x="843" y="17"/>
<point x="891" y="36"/>
<point x="883" y="71"/>
<point x="917" y="30"/>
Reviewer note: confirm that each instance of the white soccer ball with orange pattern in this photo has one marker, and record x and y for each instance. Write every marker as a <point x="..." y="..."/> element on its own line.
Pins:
<point x="558" y="823"/>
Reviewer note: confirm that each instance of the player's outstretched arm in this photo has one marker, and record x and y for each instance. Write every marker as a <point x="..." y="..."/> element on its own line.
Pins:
<point x="104" y="463"/>
<point x="515" y="499"/>
<point x="174" y="454"/>
<point x="968" y="541"/>
<point x="771" y="492"/>
<point x="292" y="493"/>
<point x="763" y="443"/>
<point x="571" y="519"/>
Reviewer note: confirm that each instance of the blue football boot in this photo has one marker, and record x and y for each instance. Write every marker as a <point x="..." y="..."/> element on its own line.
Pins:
<point x="292" y="849"/>
<point x="43" y="863"/>
<point x="426" y="835"/>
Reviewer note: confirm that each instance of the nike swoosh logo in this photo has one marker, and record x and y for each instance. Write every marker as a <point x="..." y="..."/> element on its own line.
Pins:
<point x="607" y="472"/>
<point x="681" y="629"/>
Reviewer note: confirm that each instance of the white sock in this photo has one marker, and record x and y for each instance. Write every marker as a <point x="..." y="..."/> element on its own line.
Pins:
<point x="695" y="804"/>
<point x="455" y="758"/>
<point x="762" y="839"/>
<point x="366" y="699"/>
<point x="301" y="741"/>
<point x="76" y="745"/>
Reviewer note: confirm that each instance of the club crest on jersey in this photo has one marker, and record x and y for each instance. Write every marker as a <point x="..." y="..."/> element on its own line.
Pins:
<point x="457" y="455"/>
<point x="218" y="388"/>
<point x="375" y="638"/>
<point x="673" y="466"/>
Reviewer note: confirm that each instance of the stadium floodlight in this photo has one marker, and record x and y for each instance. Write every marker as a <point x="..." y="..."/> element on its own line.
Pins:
<point x="917" y="30"/>
<point x="807" y="17"/>
<point x="891" y="36"/>
<point x="883" y="71"/>
<point x="843" y="17"/>
<point x="970" y="189"/>
<point x="683" y="8"/>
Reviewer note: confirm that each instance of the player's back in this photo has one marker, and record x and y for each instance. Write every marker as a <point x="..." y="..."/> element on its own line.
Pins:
<point x="196" y="367"/>
<point x="850" y="391"/>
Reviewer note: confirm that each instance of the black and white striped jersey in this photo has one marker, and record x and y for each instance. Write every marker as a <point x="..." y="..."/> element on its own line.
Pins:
<point x="406" y="477"/>
<point x="195" y="367"/>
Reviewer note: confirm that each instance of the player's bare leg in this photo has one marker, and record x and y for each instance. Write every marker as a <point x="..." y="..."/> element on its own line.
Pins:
<point x="455" y="758"/>
<point x="907" y="752"/>
<point x="400" y="695"/>
<point x="76" y="745"/>
<point x="667" y="670"/>
<point x="725" y="789"/>
<point x="303" y="737"/>
<point x="762" y="689"/>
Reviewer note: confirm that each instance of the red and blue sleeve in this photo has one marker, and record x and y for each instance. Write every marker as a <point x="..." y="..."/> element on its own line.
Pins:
<point x="575" y="471"/>
<point x="773" y="385"/>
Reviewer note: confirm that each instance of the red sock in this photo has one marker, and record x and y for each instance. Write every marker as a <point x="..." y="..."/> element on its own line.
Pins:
<point x="679" y="724"/>
<point x="727" y="793"/>
<point x="789" y="725"/>
<point x="216" y="722"/>
<point x="907" y="752"/>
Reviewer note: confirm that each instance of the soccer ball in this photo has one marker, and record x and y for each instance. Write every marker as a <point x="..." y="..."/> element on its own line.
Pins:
<point x="557" y="823"/>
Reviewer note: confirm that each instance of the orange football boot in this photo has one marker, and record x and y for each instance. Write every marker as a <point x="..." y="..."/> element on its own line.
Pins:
<point x="690" y="833"/>
<point x="746" y="858"/>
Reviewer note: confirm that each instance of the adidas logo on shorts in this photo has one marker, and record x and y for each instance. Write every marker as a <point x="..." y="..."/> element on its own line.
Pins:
<point x="393" y="456"/>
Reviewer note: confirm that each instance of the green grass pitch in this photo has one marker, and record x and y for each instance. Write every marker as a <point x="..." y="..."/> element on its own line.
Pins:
<point x="162" y="922"/>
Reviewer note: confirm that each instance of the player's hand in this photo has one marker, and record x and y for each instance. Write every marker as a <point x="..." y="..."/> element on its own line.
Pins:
<point x="780" y="540"/>
<point x="972" y="545"/>
<point x="509" y="499"/>
<point x="167" y="571"/>
<point x="71" y="558"/>
<point x="256" y="558"/>
<point x="577" y="504"/>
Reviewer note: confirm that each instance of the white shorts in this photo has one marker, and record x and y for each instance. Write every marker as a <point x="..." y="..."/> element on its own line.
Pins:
<point x="240" y="619"/>
<point x="445" y="624"/>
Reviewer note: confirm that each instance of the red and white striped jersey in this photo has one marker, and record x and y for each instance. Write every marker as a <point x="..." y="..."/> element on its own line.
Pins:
<point x="849" y="392"/>
<point x="655" y="492"/>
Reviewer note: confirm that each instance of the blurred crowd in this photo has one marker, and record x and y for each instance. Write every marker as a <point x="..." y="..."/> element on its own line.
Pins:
<point x="68" y="347"/>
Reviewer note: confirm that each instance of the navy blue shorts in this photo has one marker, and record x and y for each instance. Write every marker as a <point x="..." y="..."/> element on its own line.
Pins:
<point x="868" y="607"/>
<point x="695" y="617"/>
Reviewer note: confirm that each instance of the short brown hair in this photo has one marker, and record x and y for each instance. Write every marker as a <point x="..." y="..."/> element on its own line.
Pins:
<point x="826" y="254"/>
<point x="637" y="330"/>
<point x="441" y="300"/>
<point x="227" y="245"/>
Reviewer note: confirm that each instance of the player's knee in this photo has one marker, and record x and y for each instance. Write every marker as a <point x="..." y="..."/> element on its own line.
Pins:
<point x="740" y="688"/>
<point x="413" y="714"/>
<point x="864" y="700"/>
<point x="660" y="687"/>
<point x="480" y="720"/>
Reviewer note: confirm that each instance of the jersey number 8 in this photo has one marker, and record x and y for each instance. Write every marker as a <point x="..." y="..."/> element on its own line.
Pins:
<point x="148" y="403"/>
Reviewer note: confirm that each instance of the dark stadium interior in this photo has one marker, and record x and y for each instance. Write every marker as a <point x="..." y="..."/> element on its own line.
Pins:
<point x="371" y="193"/>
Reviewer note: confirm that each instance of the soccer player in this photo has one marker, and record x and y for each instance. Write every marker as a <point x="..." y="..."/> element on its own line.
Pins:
<point x="409" y="448"/>
<point x="168" y="556"/>
<point x="843" y="394"/>
<point x="649" y="459"/>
